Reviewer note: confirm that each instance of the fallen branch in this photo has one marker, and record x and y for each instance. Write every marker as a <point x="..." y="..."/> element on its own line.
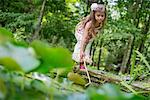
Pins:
<point x="100" y="77"/>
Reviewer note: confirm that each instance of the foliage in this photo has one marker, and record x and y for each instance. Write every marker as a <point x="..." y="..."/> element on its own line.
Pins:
<point x="114" y="40"/>
<point x="25" y="85"/>
<point x="63" y="28"/>
<point x="25" y="58"/>
<point x="20" y="84"/>
<point x="143" y="59"/>
<point x="51" y="57"/>
<point x="19" y="56"/>
<point x="108" y="92"/>
<point x="141" y="68"/>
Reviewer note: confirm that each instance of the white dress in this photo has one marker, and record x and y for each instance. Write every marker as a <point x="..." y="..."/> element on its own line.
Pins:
<point x="76" y="53"/>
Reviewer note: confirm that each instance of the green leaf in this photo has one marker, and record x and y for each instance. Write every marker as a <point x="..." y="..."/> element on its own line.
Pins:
<point x="128" y="86"/>
<point x="19" y="43"/>
<point x="143" y="59"/>
<point x="39" y="85"/>
<point x="76" y="78"/>
<point x="17" y="58"/>
<point x="60" y="57"/>
<point x="52" y="57"/>
<point x="71" y="1"/>
<point x="3" y="90"/>
<point x="110" y="92"/>
<point x="36" y="2"/>
<point x="5" y="35"/>
<point x="5" y="32"/>
<point x="10" y="63"/>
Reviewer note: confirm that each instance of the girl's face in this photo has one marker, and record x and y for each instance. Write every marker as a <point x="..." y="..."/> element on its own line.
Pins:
<point x="99" y="16"/>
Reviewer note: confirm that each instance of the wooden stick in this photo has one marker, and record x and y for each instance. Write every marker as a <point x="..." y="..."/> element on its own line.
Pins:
<point x="87" y="73"/>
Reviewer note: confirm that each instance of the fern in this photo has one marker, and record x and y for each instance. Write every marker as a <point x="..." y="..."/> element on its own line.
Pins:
<point x="143" y="59"/>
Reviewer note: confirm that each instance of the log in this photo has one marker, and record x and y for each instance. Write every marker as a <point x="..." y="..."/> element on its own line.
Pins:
<point x="99" y="77"/>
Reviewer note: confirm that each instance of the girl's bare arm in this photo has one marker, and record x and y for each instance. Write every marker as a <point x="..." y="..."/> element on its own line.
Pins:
<point x="85" y="35"/>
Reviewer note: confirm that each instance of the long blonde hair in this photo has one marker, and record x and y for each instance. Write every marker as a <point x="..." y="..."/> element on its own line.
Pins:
<point x="91" y="17"/>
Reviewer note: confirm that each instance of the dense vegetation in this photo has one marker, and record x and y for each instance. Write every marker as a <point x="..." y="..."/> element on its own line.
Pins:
<point x="37" y="39"/>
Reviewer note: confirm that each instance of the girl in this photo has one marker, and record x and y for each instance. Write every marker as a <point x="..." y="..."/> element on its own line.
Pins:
<point x="86" y="31"/>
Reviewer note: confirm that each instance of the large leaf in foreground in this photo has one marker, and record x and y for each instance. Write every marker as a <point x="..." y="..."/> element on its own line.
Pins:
<point x="52" y="57"/>
<point x="111" y="92"/>
<point x="17" y="58"/>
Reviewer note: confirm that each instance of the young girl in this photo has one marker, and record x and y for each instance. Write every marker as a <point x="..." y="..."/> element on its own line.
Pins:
<point x="86" y="31"/>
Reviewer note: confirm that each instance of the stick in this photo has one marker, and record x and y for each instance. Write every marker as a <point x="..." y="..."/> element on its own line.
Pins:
<point x="87" y="74"/>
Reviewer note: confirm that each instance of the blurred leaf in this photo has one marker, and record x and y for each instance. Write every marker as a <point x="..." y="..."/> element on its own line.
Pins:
<point x="5" y="35"/>
<point x="110" y="92"/>
<point x="3" y="90"/>
<point x="60" y="57"/>
<point x="15" y="57"/>
<point x="39" y="85"/>
<point x="76" y="96"/>
<point x="5" y="32"/>
<point x="19" y="43"/>
<point x="26" y="94"/>
<point x="62" y="72"/>
<point x="71" y="1"/>
<point x="76" y="78"/>
<point x="52" y="57"/>
<point x="10" y="63"/>
<point x="36" y="2"/>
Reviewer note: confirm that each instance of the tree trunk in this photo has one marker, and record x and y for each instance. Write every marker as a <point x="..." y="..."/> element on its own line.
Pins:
<point x="145" y="31"/>
<point x="38" y="25"/>
<point x="99" y="56"/>
<point x="134" y="8"/>
<point x="93" y="52"/>
<point x="126" y="55"/>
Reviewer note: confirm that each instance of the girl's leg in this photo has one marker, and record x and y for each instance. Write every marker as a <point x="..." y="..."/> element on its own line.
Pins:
<point x="76" y="53"/>
<point x="87" y="52"/>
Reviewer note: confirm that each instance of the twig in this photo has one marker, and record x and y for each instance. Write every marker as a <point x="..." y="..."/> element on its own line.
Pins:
<point x="87" y="74"/>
